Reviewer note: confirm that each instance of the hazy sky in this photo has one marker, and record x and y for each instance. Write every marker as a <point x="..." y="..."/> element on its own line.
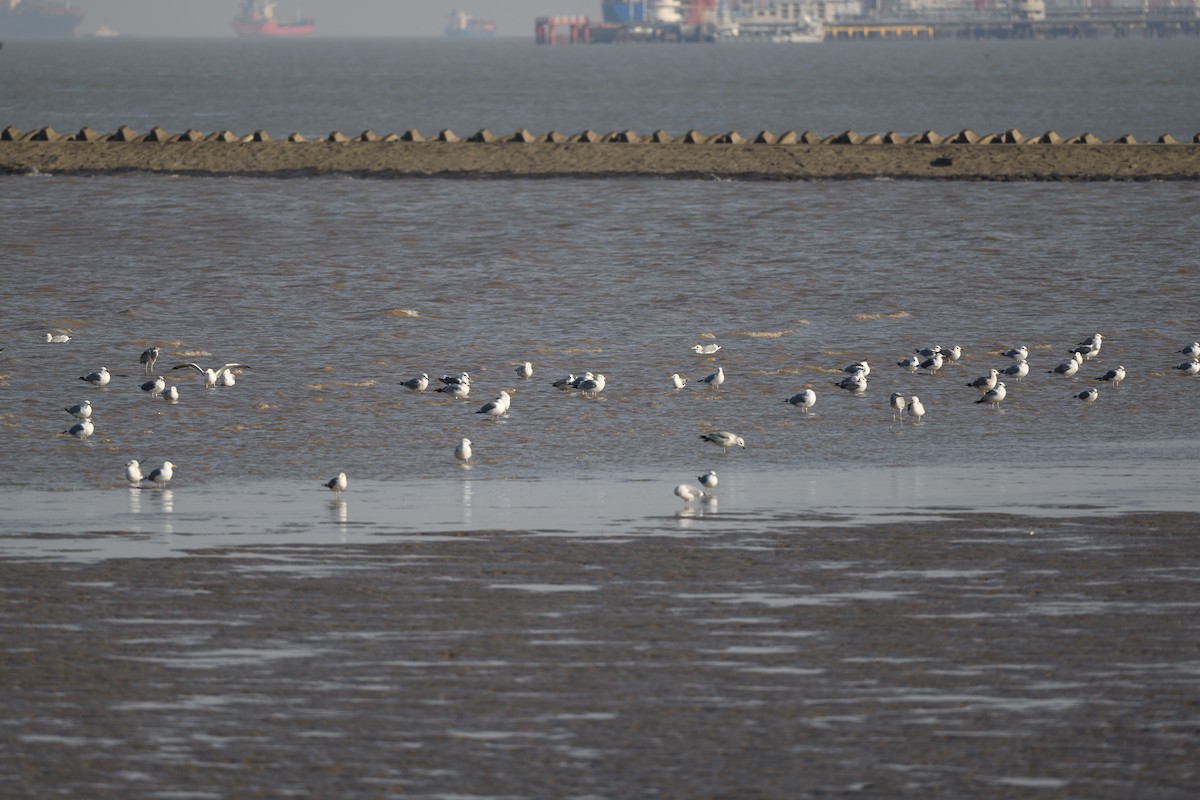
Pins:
<point x="209" y="18"/>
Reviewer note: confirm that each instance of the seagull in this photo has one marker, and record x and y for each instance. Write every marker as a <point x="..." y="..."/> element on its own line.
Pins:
<point x="1192" y="351"/>
<point x="418" y="384"/>
<point x="1089" y="346"/>
<point x="133" y="471"/>
<point x="154" y="387"/>
<point x="171" y="395"/>
<point x="709" y="479"/>
<point x="81" y="430"/>
<point x="1067" y="368"/>
<point x="565" y="383"/>
<point x="593" y="386"/>
<point x="1019" y="369"/>
<point x="912" y="363"/>
<point x="579" y="379"/>
<point x="57" y="338"/>
<point x="953" y="354"/>
<point x="705" y="349"/>
<point x="928" y="352"/>
<point x="1089" y="395"/>
<point x="987" y="382"/>
<point x="463" y="451"/>
<point x="896" y="401"/>
<point x="1020" y="353"/>
<point x="525" y="371"/>
<point x="99" y="378"/>
<point x="994" y="395"/>
<point x="853" y="383"/>
<point x="211" y="376"/>
<point x="677" y="381"/>
<point x="162" y="476"/>
<point x="337" y="484"/>
<point x="148" y="357"/>
<point x="496" y="408"/>
<point x="456" y="380"/>
<point x="459" y="390"/>
<point x="227" y="379"/>
<point x="1189" y="367"/>
<point x="688" y="493"/>
<point x="715" y="379"/>
<point x="724" y="440"/>
<point x="916" y="409"/>
<point x="1113" y="376"/>
<point x="858" y="368"/>
<point x="803" y="400"/>
<point x="933" y="363"/>
<point x="80" y="410"/>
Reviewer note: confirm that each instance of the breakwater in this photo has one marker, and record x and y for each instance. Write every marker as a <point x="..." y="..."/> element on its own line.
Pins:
<point x="964" y="155"/>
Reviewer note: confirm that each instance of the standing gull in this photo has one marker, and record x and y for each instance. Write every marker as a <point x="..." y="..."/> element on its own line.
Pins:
<point x="1089" y="347"/>
<point x="986" y="382"/>
<point x="148" y="357"/>
<point x="154" y="387"/>
<point x="912" y="363"/>
<point x="803" y="400"/>
<point x="853" y="383"/>
<point x="1019" y="369"/>
<point x="337" y="484"/>
<point x="1019" y="353"/>
<point x="133" y="471"/>
<point x="496" y="408"/>
<point x="211" y="376"/>
<point x="81" y="430"/>
<point x="1088" y="395"/>
<point x="688" y="493"/>
<point x="724" y="440"/>
<point x="459" y="390"/>
<point x="171" y="395"/>
<point x="916" y="408"/>
<point x="896" y="401"/>
<point x="1067" y="368"/>
<point x="463" y="451"/>
<point x="994" y="396"/>
<point x="593" y="386"/>
<point x="933" y="363"/>
<point x="565" y="383"/>
<point x="417" y="384"/>
<point x="858" y="368"/>
<point x="456" y="380"/>
<point x="928" y="352"/>
<point x="1192" y="351"/>
<point x="715" y="379"/>
<point x="1113" y="376"/>
<point x="162" y="475"/>
<point x="708" y="480"/>
<point x="80" y="410"/>
<point x="525" y="371"/>
<point x="1188" y="367"/>
<point x="677" y="381"/>
<point x="99" y="378"/>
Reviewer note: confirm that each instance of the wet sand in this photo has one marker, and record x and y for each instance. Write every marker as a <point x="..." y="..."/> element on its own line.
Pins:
<point x="985" y="656"/>
<point x="507" y="159"/>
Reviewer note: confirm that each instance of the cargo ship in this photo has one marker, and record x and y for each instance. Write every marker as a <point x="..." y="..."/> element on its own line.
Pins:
<point x="38" y="19"/>
<point x="623" y="12"/>
<point x="258" y="20"/>
<point x="463" y="25"/>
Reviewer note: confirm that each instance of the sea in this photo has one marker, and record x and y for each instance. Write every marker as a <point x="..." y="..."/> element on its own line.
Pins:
<point x="330" y="292"/>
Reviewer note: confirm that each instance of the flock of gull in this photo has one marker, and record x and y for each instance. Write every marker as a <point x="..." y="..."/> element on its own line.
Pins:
<point x="993" y="388"/>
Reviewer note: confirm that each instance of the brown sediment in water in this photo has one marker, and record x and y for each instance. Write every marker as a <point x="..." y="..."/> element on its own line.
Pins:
<point x="996" y="157"/>
<point x="983" y="656"/>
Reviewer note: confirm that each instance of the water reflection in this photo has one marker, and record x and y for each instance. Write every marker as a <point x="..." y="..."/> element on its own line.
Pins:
<point x="341" y="516"/>
<point x="467" y="493"/>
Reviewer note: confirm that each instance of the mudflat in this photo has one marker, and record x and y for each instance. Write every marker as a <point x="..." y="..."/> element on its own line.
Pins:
<point x="1035" y="161"/>
<point x="980" y="656"/>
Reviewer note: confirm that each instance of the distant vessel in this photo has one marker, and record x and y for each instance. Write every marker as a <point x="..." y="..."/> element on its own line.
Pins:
<point x="464" y="25"/>
<point x="258" y="20"/>
<point x="775" y="22"/>
<point x="623" y="11"/>
<point x="38" y="19"/>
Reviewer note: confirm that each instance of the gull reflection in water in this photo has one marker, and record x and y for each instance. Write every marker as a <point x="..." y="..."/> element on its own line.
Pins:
<point x="341" y="515"/>
<point x="467" y="492"/>
<point x="167" y="498"/>
<point x="693" y="511"/>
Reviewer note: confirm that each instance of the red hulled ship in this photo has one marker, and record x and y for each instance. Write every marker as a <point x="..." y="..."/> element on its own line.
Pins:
<point x="258" y="20"/>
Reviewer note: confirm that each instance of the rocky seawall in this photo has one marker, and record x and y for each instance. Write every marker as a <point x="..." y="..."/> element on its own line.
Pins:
<point x="765" y="156"/>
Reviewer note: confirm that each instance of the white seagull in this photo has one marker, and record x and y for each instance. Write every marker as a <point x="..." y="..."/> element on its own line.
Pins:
<point x="80" y="410"/>
<point x="81" y="430"/>
<point x="459" y="390"/>
<point x="525" y="370"/>
<point x="1019" y="369"/>
<point x="896" y="401"/>
<point x="1192" y="351"/>
<point x="986" y="382"/>
<point x="594" y="386"/>
<point x="916" y="409"/>
<point x="933" y="363"/>
<point x="171" y="395"/>
<point x="148" y="357"/>
<point x="708" y="480"/>
<point x="455" y="380"/>
<point x="162" y="475"/>
<point x="803" y="400"/>
<point x="1067" y="368"/>
<point x="227" y="379"/>
<point x="463" y="451"/>
<point x="1020" y="353"/>
<point x="853" y="383"/>
<point x="858" y="368"/>
<point x="496" y="408"/>
<point x="211" y="376"/>
<point x="1113" y="376"/>
<point x="1089" y="346"/>
<point x="724" y="440"/>
<point x="417" y="384"/>
<point x="677" y="381"/>
<point x="57" y="338"/>
<point x="688" y="493"/>
<point x="953" y="353"/>
<point x="705" y="349"/>
<point x="912" y="363"/>
<point x="928" y="352"/>
<point x="994" y="395"/>
<point x="99" y="378"/>
<point x="154" y="387"/>
<point x="1088" y="395"/>
<point x="715" y="379"/>
<point x="1189" y="367"/>
<point x="133" y="471"/>
<point x="565" y="383"/>
<point x="337" y="484"/>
